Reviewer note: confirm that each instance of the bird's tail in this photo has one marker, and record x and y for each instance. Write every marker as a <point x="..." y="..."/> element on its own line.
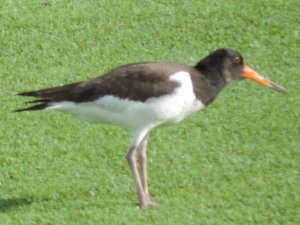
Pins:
<point x="43" y="104"/>
<point x="46" y="96"/>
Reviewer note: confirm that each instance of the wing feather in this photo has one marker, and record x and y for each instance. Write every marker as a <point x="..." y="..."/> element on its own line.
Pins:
<point x="137" y="82"/>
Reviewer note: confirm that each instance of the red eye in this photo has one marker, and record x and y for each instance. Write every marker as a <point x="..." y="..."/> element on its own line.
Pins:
<point x="237" y="60"/>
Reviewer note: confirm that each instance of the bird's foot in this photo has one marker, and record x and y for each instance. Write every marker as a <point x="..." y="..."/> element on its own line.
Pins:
<point x="146" y="201"/>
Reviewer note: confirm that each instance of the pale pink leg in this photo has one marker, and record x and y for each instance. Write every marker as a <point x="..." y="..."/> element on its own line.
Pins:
<point x="142" y="196"/>
<point x="142" y="158"/>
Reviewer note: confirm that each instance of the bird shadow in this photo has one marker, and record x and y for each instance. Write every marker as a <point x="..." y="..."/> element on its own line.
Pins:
<point x="11" y="204"/>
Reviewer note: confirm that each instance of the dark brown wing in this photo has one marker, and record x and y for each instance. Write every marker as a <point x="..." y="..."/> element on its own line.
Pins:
<point x="137" y="82"/>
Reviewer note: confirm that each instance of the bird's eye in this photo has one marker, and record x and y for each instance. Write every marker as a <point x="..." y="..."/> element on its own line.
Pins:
<point x="237" y="60"/>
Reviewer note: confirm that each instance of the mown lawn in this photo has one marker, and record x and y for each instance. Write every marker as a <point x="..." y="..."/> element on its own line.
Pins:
<point x="236" y="162"/>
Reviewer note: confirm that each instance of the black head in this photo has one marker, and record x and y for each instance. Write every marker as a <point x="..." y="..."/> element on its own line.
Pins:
<point x="224" y="63"/>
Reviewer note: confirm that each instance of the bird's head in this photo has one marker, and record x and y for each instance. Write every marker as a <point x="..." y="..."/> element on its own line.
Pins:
<point x="230" y="64"/>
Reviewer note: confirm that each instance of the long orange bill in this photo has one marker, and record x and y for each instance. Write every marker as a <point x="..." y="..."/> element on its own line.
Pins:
<point x="251" y="74"/>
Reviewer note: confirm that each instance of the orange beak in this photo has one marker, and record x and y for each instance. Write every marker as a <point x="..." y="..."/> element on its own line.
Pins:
<point x="251" y="74"/>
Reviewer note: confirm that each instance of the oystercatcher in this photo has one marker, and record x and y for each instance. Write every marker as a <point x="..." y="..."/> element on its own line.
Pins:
<point x="140" y="97"/>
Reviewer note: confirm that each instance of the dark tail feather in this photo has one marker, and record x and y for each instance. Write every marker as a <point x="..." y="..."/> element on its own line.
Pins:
<point x="51" y="93"/>
<point x="44" y="100"/>
<point x="35" y="107"/>
<point x="41" y="106"/>
<point x="29" y="93"/>
<point x="47" y="95"/>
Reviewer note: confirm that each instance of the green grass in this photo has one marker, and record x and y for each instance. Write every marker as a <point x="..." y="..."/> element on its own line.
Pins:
<point x="237" y="162"/>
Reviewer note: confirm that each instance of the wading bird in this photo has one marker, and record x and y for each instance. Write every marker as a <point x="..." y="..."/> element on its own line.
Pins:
<point x="140" y="97"/>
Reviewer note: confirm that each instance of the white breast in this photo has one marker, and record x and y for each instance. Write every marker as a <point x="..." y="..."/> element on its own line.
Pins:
<point x="135" y="115"/>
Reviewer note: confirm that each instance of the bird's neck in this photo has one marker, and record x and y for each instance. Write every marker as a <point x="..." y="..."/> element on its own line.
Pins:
<point x="214" y="82"/>
<point x="213" y="73"/>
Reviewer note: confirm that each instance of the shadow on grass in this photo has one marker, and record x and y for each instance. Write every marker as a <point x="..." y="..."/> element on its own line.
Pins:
<point x="13" y="203"/>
